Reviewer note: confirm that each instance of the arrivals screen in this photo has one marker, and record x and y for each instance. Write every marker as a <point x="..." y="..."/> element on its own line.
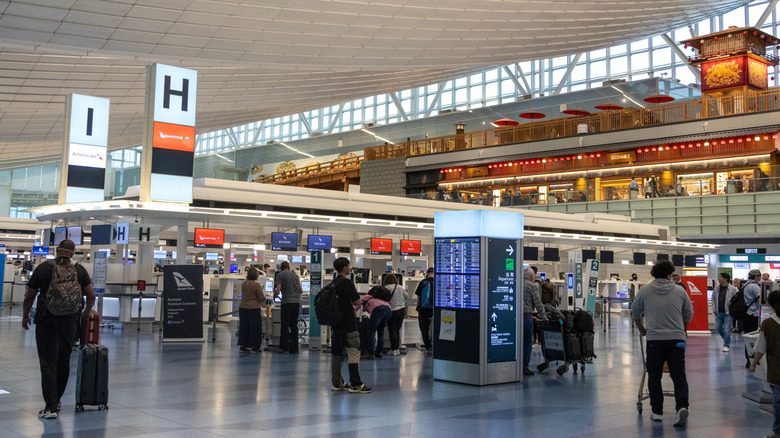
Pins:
<point x="457" y="272"/>
<point x="411" y="248"/>
<point x="40" y="250"/>
<point x="209" y="238"/>
<point x="284" y="242"/>
<point x="382" y="246"/>
<point x="315" y="242"/>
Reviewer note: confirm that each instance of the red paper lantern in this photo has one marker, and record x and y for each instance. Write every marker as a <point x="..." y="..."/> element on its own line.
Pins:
<point x="744" y="32"/>
<point x="716" y="38"/>
<point x="755" y="33"/>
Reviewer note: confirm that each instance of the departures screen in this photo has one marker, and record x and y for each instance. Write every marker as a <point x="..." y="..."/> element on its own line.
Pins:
<point x="457" y="272"/>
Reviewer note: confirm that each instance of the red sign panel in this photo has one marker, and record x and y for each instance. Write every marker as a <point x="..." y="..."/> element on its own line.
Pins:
<point x="209" y="238"/>
<point x="382" y="246"/>
<point x="697" y="291"/>
<point x="723" y="74"/>
<point x="411" y="247"/>
<point x="141" y="285"/>
<point x="774" y="266"/>
<point x="175" y="137"/>
<point x="757" y="74"/>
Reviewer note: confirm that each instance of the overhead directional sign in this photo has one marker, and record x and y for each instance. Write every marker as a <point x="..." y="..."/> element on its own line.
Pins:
<point x="84" y="154"/>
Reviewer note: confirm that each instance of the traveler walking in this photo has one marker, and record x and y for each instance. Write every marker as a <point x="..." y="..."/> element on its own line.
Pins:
<point x="531" y="301"/>
<point x="345" y="340"/>
<point x="633" y="188"/>
<point x="722" y="294"/>
<point x="424" y="294"/>
<point x="289" y="285"/>
<point x="752" y="293"/>
<point x="667" y="311"/>
<point x="63" y="286"/>
<point x="768" y="344"/>
<point x="250" y="313"/>
<point x="398" y="309"/>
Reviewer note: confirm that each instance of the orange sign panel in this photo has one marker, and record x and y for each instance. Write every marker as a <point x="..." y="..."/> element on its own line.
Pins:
<point x="175" y="137"/>
<point x="723" y="74"/>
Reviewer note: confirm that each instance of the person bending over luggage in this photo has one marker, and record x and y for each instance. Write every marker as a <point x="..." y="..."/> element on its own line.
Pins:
<point x="531" y="301"/>
<point x="667" y="311"/>
<point x="379" y="315"/>
<point x="63" y="286"/>
<point x="346" y="339"/>
<point x="250" y="313"/>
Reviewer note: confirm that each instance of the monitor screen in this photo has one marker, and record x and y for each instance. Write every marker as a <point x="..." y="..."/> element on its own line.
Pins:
<point x="607" y="256"/>
<point x="284" y="241"/>
<point x="530" y="253"/>
<point x="588" y="254"/>
<point x="282" y="258"/>
<point x="411" y="248"/>
<point x="297" y="259"/>
<point x="315" y="242"/>
<point x="640" y="258"/>
<point x="542" y="276"/>
<point x="101" y="234"/>
<point x="306" y="286"/>
<point x="40" y="250"/>
<point x="551" y="255"/>
<point x="209" y="238"/>
<point x="60" y="234"/>
<point x="233" y="269"/>
<point x="269" y="286"/>
<point x="665" y="257"/>
<point x="677" y="259"/>
<point x="457" y="263"/>
<point x="382" y="246"/>
<point x="160" y="254"/>
<point x="362" y="275"/>
<point x="690" y="261"/>
<point x="212" y="256"/>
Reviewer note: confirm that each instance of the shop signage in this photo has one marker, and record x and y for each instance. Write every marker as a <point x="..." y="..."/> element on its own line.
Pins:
<point x="757" y="74"/>
<point x="725" y="73"/>
<point x="169" y="134"/>
<point x="697" y="291"/>
<point x="501" y="297"/>
<point x="182" y="303"/>
<point x="621" y="157"/>
<point x="84" y="149"/>
<point x="473" y="172"/>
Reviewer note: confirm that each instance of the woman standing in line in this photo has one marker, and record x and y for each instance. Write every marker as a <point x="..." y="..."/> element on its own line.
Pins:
<point x="398" y="309"/>
<point x="250" y="314"/>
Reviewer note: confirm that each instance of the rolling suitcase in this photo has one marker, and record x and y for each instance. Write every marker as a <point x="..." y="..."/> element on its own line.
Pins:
<point x="92" y="378"/>
<point x="91" y="333"/>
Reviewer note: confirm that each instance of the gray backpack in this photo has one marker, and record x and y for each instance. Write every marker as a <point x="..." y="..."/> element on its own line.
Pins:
<point x="64" y="294"/>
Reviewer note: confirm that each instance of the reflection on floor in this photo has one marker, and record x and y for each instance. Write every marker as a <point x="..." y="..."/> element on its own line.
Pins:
<point x="209" y="390"/>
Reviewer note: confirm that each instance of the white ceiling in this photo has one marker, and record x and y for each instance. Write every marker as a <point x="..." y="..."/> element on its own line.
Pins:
<point x="259" y="59"/>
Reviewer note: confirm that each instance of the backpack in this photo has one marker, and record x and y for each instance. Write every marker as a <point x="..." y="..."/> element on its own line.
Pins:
<point x="381" y="293"/>
<point x="548" y="293"/>
<point x="583" y="321"/>
<point x="64" y="296"/>
<point x="326" y="305"/>
<point x="426" y="294"/>
<point x="737" y="307"/>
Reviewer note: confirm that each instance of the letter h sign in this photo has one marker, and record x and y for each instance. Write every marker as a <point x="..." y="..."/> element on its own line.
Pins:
<point x="175" y="95"/>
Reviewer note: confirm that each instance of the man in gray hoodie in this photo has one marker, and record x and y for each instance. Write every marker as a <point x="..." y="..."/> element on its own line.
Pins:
<point x="667" y="311"/>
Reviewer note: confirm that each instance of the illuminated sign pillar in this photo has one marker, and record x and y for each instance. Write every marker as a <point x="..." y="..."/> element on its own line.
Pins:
<point x="478" y="297"/>
<point x="84" y="151"/>
<point x="169" y="134"/>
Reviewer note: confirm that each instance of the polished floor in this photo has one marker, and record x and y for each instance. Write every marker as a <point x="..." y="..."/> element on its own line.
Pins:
<point x="209" y="390"/>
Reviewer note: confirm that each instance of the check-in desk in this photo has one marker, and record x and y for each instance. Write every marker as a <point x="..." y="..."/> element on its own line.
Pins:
<point x="119" y="305"/>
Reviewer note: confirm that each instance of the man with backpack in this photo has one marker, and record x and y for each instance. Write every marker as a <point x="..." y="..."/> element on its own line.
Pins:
<point x="549" y="293"/>
<point x="63" y="286"/>
<point x="424" y="294"/>
<point x="752" y="296"/>
<point x="346" y="339"/>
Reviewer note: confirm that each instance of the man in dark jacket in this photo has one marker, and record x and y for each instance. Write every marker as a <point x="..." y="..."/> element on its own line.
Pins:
<point x="424" y="292"/>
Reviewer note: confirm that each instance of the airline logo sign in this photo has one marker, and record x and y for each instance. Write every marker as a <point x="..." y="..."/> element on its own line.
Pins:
<point x="87" y="156"/>
<point x="692" y="289"/>
<point x="174" y="137"/>
<point x="697" y="288"/>
<point x="181" y="282"/>
<point x="175" y="95"/>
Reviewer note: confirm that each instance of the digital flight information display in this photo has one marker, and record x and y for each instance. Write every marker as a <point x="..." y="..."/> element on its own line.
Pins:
<point x="457" y="272"/>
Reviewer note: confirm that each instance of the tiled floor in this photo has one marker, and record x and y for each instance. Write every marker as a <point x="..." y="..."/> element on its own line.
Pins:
<point x="209" y="390"/>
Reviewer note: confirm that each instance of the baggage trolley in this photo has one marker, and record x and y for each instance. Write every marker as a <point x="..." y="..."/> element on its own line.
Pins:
<point x="644" y="394"/>
<point x="553" y="348"/>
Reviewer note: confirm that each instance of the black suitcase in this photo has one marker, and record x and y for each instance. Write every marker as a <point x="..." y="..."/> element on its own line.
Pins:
<point x="587" y="349"/>
<point x="92" y="378"/>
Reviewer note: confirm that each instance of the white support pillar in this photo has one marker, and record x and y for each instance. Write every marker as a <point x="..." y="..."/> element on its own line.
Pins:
<point x="335" y="118"/>
<point x="181" y="244"/>
<point x="397" y="103"/>
<point x="767" y="12"/>
<point x="567" y="74"/>
<point x="305" y="122"/>
<point x="512" y="77"/>
<point x="676" y="49"/>
<point x="435" y="100"/>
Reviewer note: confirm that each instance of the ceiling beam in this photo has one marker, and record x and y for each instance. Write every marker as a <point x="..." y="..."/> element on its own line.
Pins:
<point x="678" y="51"/>
<point x="768" y="11"/>
<point x="397" y="103"/>
<point x="567" y="74"/>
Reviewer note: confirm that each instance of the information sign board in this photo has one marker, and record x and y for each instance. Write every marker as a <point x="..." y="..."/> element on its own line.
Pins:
<point x="501" y="300"/>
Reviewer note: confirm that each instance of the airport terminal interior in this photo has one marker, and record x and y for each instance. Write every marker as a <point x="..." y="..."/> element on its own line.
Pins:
<point x="186" y="146"/>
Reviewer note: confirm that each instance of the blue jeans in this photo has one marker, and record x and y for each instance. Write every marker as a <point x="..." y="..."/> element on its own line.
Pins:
<point x="723" y="324"/>
<point x="776" y="407"/>
<point x="376" y="327"/>
<point x="528" y="339"/>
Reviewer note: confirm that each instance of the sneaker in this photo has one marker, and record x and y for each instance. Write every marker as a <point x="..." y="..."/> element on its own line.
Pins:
<point x="48" y="414"/>
<point x="656" y="417"/>
<point x="429" y="351"/>
<point x="528" y="372"/>
<point x="255" y="350"/>
<point x="725" y="349"/>
<point x="360" y="389"/>
<point x="396" y="352"/>
<point x="341" y="387"/>
<point x="378" y="355"/>
<point x="244" y="350"/>
<point x="682" y="418"/>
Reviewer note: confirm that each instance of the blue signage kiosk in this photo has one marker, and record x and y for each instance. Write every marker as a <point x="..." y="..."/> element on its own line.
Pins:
<point x="478" y="304"/>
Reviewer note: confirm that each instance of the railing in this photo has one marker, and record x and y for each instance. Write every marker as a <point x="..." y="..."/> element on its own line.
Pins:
<point x="605" y="121"/>
<point x="313" y="170"/>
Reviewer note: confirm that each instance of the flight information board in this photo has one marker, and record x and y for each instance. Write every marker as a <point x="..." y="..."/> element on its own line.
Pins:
<point x="457" y="255"/>
<point x="457" y="272"/>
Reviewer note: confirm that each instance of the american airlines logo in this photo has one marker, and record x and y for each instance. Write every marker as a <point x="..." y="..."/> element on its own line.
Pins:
<point x="87" y="155"/>
<point x="692" y="287"/>
<point x="172" y="136"/>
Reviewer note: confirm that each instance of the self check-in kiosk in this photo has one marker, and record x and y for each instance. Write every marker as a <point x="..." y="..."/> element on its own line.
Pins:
<point x="478" y="302"/>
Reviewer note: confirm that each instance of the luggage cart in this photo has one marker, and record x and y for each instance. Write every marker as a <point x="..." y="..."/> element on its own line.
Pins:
<point x="553" y="348"/>
<point x="644" y="394"/>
